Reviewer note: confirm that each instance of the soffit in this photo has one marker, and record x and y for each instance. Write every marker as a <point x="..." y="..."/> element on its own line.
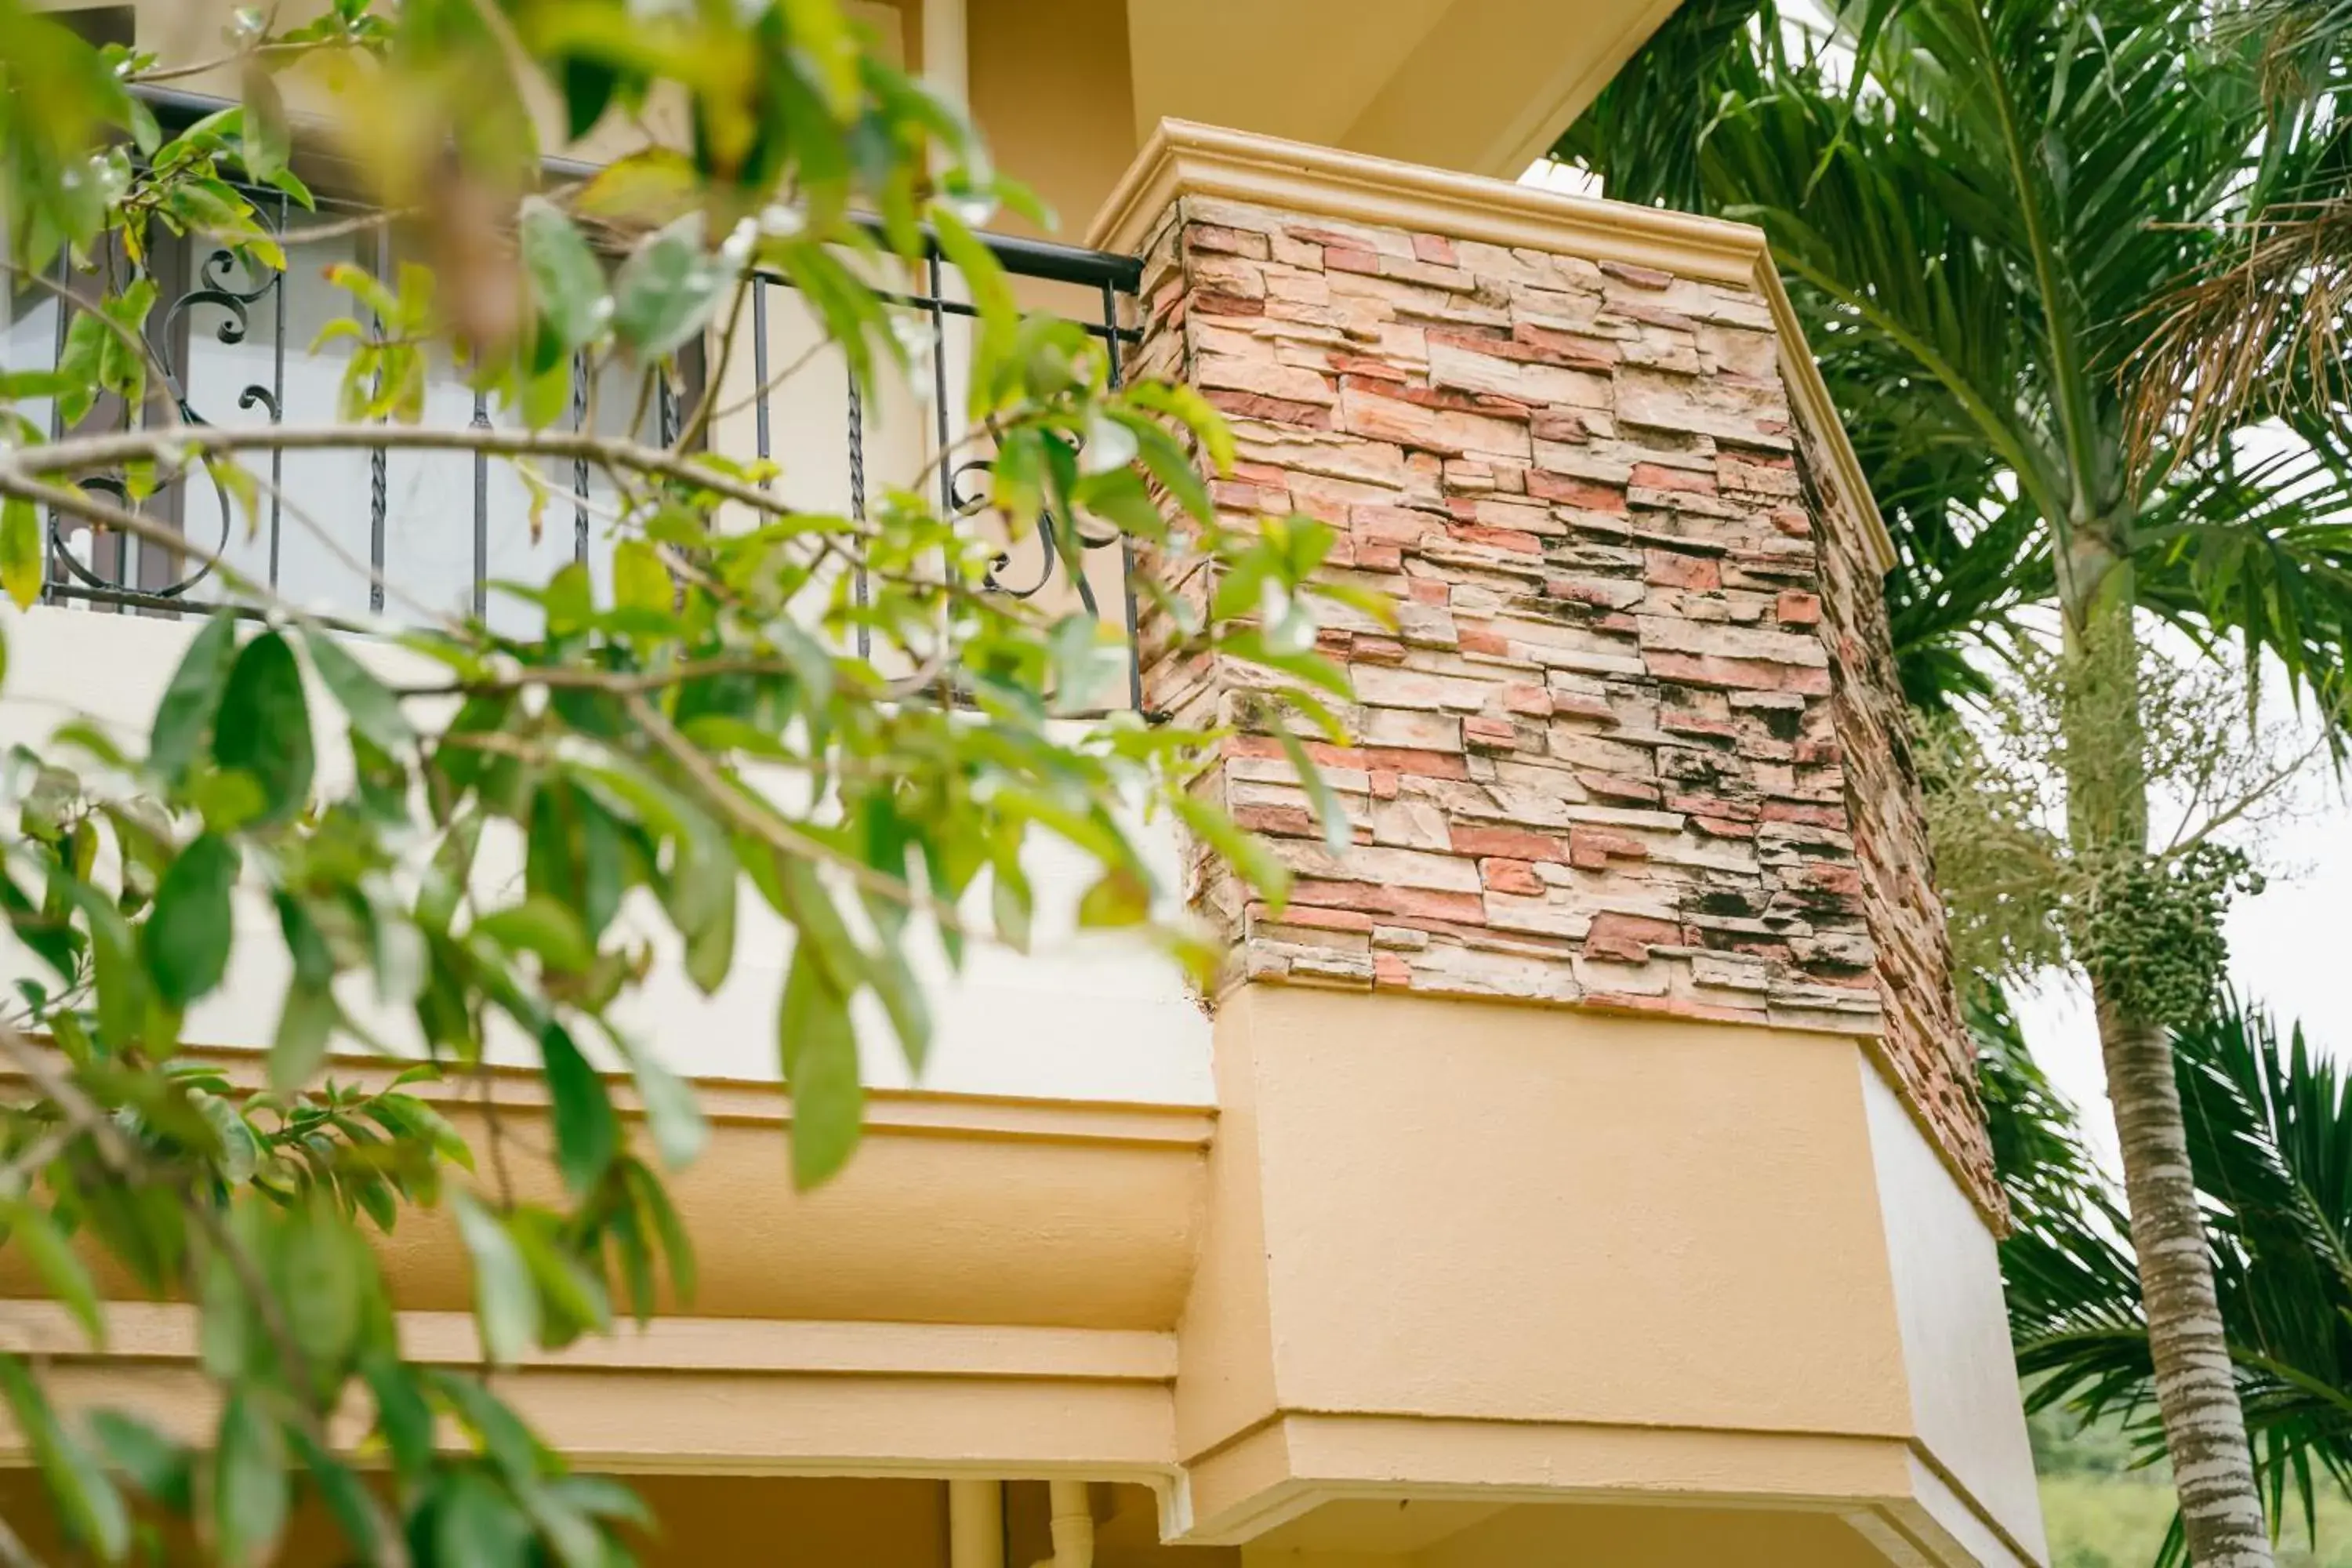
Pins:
<point x="1482" y="86"/>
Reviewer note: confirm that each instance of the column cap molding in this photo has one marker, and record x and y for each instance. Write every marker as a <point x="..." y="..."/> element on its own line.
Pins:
<point x="1185" y="158"/>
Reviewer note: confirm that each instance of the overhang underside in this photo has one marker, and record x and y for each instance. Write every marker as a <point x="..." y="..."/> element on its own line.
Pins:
<point x="792" y="1521"/>
<point x="1482" y="86"/>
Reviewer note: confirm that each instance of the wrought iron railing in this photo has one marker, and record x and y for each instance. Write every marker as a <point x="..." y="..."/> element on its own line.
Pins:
<point x="343" y="531"/>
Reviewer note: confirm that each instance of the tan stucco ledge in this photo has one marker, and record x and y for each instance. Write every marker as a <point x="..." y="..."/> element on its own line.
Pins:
<point x="1187" y="158"/>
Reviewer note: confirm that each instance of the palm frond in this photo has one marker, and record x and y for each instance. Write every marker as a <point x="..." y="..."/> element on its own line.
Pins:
<point x="1641" y="134"/>
<point x="2270" y="1139"/>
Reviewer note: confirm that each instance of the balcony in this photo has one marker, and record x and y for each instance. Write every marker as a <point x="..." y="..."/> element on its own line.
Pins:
<point x="404" y="536"/>
<point x="1581" y="1167"/>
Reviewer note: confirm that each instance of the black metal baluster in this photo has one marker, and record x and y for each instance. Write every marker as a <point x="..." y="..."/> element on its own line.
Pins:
<point x="862" y="588"/>
<point x="1125" y="541"/>
<point x="938" y="303"/>
<point x="481" y="421"/>
<point x="277" y="407"/>
<point x="56" y="433"/>
<point x="760" y="366"/>
<point x="580" y="465"/>
<point x="380" y="459"/>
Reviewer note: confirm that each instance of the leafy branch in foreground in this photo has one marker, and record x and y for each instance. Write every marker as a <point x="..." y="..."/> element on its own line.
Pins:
<point x="448" y="853"/>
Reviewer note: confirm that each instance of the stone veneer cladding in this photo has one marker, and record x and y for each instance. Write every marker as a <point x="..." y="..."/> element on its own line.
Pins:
<point x="1635" y="741"/>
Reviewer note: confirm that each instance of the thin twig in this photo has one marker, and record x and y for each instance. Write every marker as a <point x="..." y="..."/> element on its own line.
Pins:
<point x="776" y="833"/>
<point x="700" y="419"/>
<point x="251" y="51"/>
<point x="801" y="362"/>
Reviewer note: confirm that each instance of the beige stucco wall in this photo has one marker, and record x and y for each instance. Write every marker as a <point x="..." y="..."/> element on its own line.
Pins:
<point x="1051" y="89"/>
<point x="1584" y="1222"/>
<point x="1582" y="1218"/>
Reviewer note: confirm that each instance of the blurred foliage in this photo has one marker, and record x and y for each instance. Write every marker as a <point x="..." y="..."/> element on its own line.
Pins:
<point x="450" y="846"/>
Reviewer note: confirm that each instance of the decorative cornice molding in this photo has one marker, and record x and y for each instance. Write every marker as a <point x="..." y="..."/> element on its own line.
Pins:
<point x="1187" y="158"/>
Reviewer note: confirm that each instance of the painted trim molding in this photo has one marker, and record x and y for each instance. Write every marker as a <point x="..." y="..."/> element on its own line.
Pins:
<point x="904" y="1112"/>
<point x="1184" y="158"/>
<point x="165" y="1332"/>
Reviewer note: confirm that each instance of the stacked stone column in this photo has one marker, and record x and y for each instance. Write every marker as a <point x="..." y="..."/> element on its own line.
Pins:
<point x="1634" y="741"/>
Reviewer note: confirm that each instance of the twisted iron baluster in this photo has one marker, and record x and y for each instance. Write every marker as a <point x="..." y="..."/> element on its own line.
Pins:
<point x="380" y="459"/>
<point x="580" y="465"/>
<point x="481" y="421"/>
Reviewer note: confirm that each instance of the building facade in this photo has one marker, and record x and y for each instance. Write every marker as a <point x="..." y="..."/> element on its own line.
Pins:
<point x="1584" y="1167"/>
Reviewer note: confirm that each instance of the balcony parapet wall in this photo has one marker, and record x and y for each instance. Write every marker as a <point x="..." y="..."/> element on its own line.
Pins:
<point x="1636" y="740"/>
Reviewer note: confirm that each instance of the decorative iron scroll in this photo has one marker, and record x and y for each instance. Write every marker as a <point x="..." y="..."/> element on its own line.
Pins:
<point x="216" y="286"/>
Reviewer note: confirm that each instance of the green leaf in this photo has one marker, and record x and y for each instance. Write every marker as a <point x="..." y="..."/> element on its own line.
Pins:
<point x="121" y="366"/>
<point x="572" y="1538"/>
<point x="475" y="1525"/>
<point x="1119" y="897"/>
<point x="506" y="1304"/>
<point x="668" y="289"/>
<point x="161" y="1466"/>
<point x="539" y="924"/>
<point x="87" y="1501"/>
<point x="1247" y="853"/>
<point x="268" y="142"/>
<point x="78" y="364"/>
<point x="817" y="919"/>
<point x="249" y="1491"/>
<point x="21" y="551"/>
<point x="817" y="1050"/>
<point x="61" y="1269"/>
<point x="187" y="938"/>
<point x="711" y="947"/>
<point x="587" y="1133"/>
<point x="324" y="1277"/>
<point x="672" y="1114"/>
<point x="572" y="1300"/>
<point x="1329" y="814"/>
<point x="264" y="729"/>
<point x="588" y="85"/>
<point x="640" y="580"/>
<point x="191" y="699"/>
<point x="565" y="274"/>
<point x="402" y="1414"/>
<point x="305" y="1025"/>
<point x="821" y="33"/>
<point x="345" y="1495"/>
<point x="373" y="711"/>
<point x="906" y="1001"/>
<point x="571" y="599"/>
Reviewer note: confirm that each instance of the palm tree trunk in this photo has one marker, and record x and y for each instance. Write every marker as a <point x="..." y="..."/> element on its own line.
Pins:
<point x="2107" y="822"/>
<point x="2196" y="1394"/>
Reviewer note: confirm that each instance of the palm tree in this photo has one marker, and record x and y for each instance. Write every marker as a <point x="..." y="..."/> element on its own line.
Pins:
<point x="2269" y="1134"/>
<point x="1976" y="204"/>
